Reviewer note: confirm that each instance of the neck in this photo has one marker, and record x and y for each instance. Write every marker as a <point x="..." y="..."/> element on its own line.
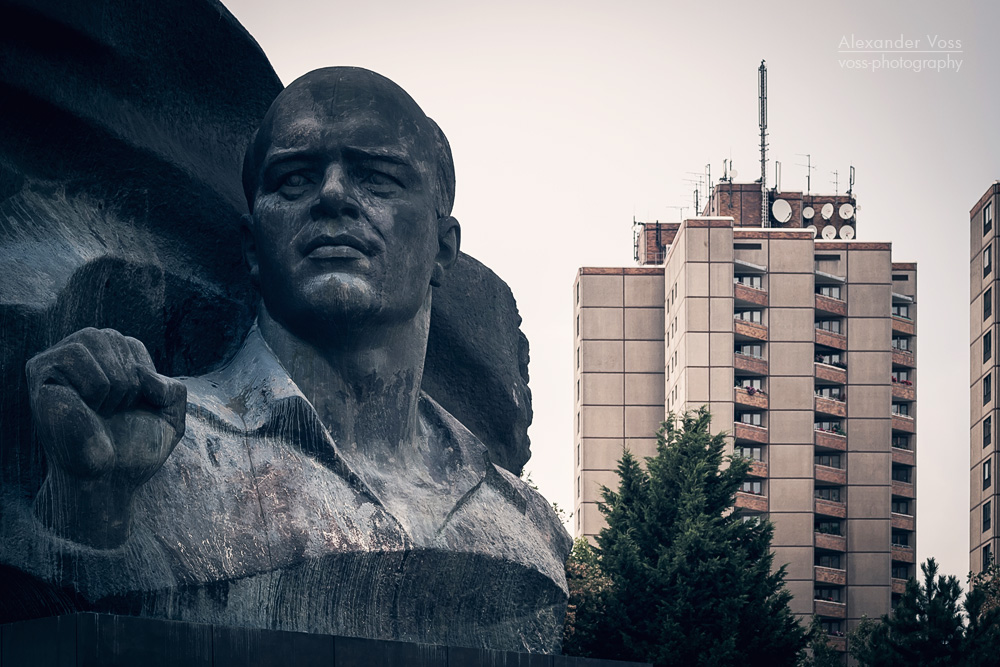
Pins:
<point x="365" y="389"/>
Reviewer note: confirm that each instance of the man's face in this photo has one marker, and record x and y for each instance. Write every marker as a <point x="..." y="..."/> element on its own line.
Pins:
<point x="344" y="226"/>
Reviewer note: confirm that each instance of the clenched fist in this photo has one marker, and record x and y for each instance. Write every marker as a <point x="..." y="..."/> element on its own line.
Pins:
<point x="107" y="421"/>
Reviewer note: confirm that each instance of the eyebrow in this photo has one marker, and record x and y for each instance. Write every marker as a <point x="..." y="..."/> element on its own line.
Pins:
<point x="392" y="156"/>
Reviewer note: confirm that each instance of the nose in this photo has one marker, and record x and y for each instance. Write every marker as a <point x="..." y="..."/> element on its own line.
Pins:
<point x="335" y="198"/>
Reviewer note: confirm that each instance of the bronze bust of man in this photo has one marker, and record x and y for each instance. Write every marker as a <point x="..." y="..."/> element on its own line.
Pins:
<point x="309" y="484"/>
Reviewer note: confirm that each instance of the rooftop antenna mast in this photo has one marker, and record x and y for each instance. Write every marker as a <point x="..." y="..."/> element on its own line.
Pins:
<point x="850" y="187"/>
<point x="836" y="183"/>
<point x="698" y="183"/>
<point x="809" y="170"/>
<point x="762" y="79"/>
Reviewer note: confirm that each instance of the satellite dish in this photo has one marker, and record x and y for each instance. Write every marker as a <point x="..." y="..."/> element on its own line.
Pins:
<point x="781" y="210"/>
<point x="846" y="211"/>
<point x="733" y="174"/>
<point x="829" y="232"/>
<point x="847" y="232"/>
<point x="808" y="213"/>
<point x="827" y="211"/>
<point x="812" y="228"/>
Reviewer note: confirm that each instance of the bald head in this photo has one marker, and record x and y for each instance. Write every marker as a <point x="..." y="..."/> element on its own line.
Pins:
<point x="372" y="104"/>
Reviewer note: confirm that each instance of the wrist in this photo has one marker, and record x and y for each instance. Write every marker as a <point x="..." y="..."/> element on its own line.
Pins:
<point x="95" y="512"/>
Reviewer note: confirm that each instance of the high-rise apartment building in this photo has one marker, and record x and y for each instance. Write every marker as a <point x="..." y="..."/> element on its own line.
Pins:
<point x="802" y="344"/>
<point x="983" y="378"/>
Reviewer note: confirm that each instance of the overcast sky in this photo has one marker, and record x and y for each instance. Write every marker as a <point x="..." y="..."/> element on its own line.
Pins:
<point x="569" y="118"/>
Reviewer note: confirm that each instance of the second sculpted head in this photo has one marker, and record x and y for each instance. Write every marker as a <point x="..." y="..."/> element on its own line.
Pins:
<point x="350" y="187"/>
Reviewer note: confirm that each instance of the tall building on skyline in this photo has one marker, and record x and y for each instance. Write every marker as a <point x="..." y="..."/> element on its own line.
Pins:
<point x="802" y="344"/>
<point x="984" y="287"/>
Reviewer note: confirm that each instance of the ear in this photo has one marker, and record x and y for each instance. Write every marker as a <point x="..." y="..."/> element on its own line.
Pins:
<point x="249" y="244"/>
<point x="449" y="240"/>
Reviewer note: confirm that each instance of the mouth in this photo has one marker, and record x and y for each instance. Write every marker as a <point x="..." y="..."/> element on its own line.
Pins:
<point x="340" y="246"/>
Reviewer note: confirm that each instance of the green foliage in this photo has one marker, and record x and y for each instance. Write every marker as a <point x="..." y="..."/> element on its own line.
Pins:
<point x="589" y="600"/>
<point x="690" y="582"/>
<point x="927" y="628"/>
<point x="820" y="653"/>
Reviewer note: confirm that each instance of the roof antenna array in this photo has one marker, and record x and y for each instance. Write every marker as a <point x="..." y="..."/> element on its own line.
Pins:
<point x="809" y="170"/>
<point x="836" y="183"/>
<point x="850" y="187"/>
<point x="762" y="79"/>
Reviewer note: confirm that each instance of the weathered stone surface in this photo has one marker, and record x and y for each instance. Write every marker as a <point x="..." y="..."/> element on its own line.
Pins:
<point x="120" y="209"/>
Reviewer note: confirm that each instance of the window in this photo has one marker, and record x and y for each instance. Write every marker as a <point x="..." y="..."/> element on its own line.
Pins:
<point x="829" y="560"/>
<point x="750" y="350"/>
<point x="832" y="628"/>
<point x="900" y="571"/>
<point x="900" y="539"/>
<point x="577" y="326"/>
<point x="987" y="516"/>
<point x="901" y="409"/>
<point x="987" y="556"/>
<point x="901" y="474"/>
<point x="987" y="473"/>
<point x="901" y="441"/>
<point x="901" y="343"/>
<point x="828" y="593"/>
<point x="987" y="303"/>
<point x="901" y="310"/>
<point x="752" y="486"/>
<point x="987" y="261"/>
<point x="749" y="383"/>
<point x="829" y="426"/>
<point x="578" y="454"/>
<point x="832" y="291"/>
<point x="749" y="315"/>
<point x="828" y="460"/>
<point x="987" y="346"/>
<point x="987" y="388"/>
<point x="752" y="418"/>
<point x="831" y="359"/>
<point x="901" y="506"/>
<point x="828" y="527"/>
<point x="901" y="376"/>
<point x="987" y="217"/>
<point x="833" y="326"/>
<point x="578" y="485"/>
<point x="828" y="493"/>
<point x="752" y="453"/>
<point x="577" y="357"/>
<point x="988" y="431"/>
<point x="749" y="280"/>
<point x="831" y="391"/>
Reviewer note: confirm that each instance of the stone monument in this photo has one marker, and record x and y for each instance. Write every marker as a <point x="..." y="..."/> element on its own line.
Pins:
<point x="317" y="474"/>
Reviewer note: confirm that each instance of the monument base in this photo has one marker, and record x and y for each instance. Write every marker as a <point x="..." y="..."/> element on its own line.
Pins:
<point x="104" y="640"/>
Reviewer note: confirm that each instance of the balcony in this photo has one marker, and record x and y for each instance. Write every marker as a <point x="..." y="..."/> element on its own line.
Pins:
<point x="748" y="364"/>
<point x="829" y="575"/>
<point x="898" y="586"/>
<point x="837" y="643"/>
<point x="830" y="406"/>
<point x="903" y="490"/>
<point x="830" y="440"/>
<point x="904" y="424"/>
<point x="830" y="508"/>
<point x="830" y="373"/>
<point x="830" y="305"/>
<point x="750" y="501"/>
<point x="757" y="469"/>
<point x="753" y="330"/>
<point x="902" y="554"/>
<point x="750" y="432"/>
<point x="830" y="475"/>
<point x="831" y="542"/>
<point x="835" y="340"/>
<point x="902" y="325"/>
<point x="749" y="295"/>
<point x="905" y="392"/>
<point x="751" y="399"/>
<point x="903" y="358"/>
<point x="830" y="609"/>
<point x="904" y="457"/>
<point x="903" y="522"/>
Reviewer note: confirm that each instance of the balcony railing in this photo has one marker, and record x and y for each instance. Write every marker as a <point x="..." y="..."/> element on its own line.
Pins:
<point x="830" y="609"/>
<point x="750" y="397"/>
<point x="757" y="469"/>
<point x="898" y="586"/>
<point x="903" y="325"/>
<point x="903" y="358"/>
<point x="902" y="554"/>
<point x="829" y="575"/>
<point x="903" y="423"/>
<point x="830" y="440"/>
<point x="830" y="305"/>
<point x="903" y="521"/>
<point x="835" y="407"/>
<point x="904" y="392"/>
<point x="903" y="456"/>
<point x="753" y="330"/>
<point x="831" y="542"/>
<point x="751" y="501"/>
<point x="830" y="508"/>
<point x="835" y="340"/>
<point x="754" y="295"/>
<point x="750" y="432"/>
<point x="903" y="489"/>
<point x="830" y="373"/>
<point x="830" y="475"/>
<point x="744" y="362"/>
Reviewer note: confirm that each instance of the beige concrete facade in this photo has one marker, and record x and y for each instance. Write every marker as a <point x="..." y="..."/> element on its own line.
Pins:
<point x="984" y="287"/>
<point x="823" y="335"/>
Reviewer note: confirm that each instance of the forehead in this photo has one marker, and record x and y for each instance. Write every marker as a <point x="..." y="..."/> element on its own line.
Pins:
<point x="366" y="113"/>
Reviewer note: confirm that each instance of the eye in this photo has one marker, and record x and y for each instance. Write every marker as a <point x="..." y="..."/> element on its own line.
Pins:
<point x="294" y="184"/>
<point x="380" y="183"/>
